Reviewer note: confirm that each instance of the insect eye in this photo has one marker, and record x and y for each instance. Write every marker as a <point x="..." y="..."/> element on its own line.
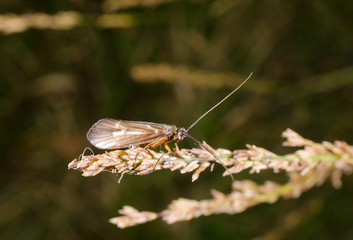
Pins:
<point x="182" y="133"/>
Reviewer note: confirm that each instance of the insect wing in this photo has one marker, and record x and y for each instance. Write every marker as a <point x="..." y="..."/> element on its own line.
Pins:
<point x="110" y="133"/>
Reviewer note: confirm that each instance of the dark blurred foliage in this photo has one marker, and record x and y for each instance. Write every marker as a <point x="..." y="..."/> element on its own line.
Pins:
<point x="56" y="84"/>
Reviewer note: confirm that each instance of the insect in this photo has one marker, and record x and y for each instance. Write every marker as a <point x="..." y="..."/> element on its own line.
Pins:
<point x="110" y="133"/>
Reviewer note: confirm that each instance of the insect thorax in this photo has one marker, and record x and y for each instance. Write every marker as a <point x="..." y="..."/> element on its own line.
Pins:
<point x="171" y="131"/>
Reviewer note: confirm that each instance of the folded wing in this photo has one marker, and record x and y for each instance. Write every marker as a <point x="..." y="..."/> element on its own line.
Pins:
<point x="110" y="133"/>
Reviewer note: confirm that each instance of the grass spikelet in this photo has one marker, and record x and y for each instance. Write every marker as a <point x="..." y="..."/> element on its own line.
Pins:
<point x="306" y="168"/>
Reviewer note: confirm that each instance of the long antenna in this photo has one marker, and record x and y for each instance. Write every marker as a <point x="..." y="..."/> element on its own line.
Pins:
<point x="212" y="153"/>
<point x="203" y="115"/>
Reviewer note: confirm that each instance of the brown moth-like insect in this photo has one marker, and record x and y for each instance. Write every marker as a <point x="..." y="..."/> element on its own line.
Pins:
<point x="110" y="133"/>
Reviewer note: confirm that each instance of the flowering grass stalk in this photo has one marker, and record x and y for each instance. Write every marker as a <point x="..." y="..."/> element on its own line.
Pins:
<point x="306" y="168"/>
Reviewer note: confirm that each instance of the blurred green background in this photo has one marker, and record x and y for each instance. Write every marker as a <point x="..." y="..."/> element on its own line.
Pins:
<point x="168" y="61"/>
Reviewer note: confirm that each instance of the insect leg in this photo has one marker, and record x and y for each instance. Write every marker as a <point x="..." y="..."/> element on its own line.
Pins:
<point x="153" y="144"/>
<point x="154" y="167"/>
<point x="176" y="148"/>
<point x="167" y="147"/>
<point x="138" y="153"/>
<point x="144" y="149"/>
<point x="158" y="142"/>
<point x="169" y="151"/>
